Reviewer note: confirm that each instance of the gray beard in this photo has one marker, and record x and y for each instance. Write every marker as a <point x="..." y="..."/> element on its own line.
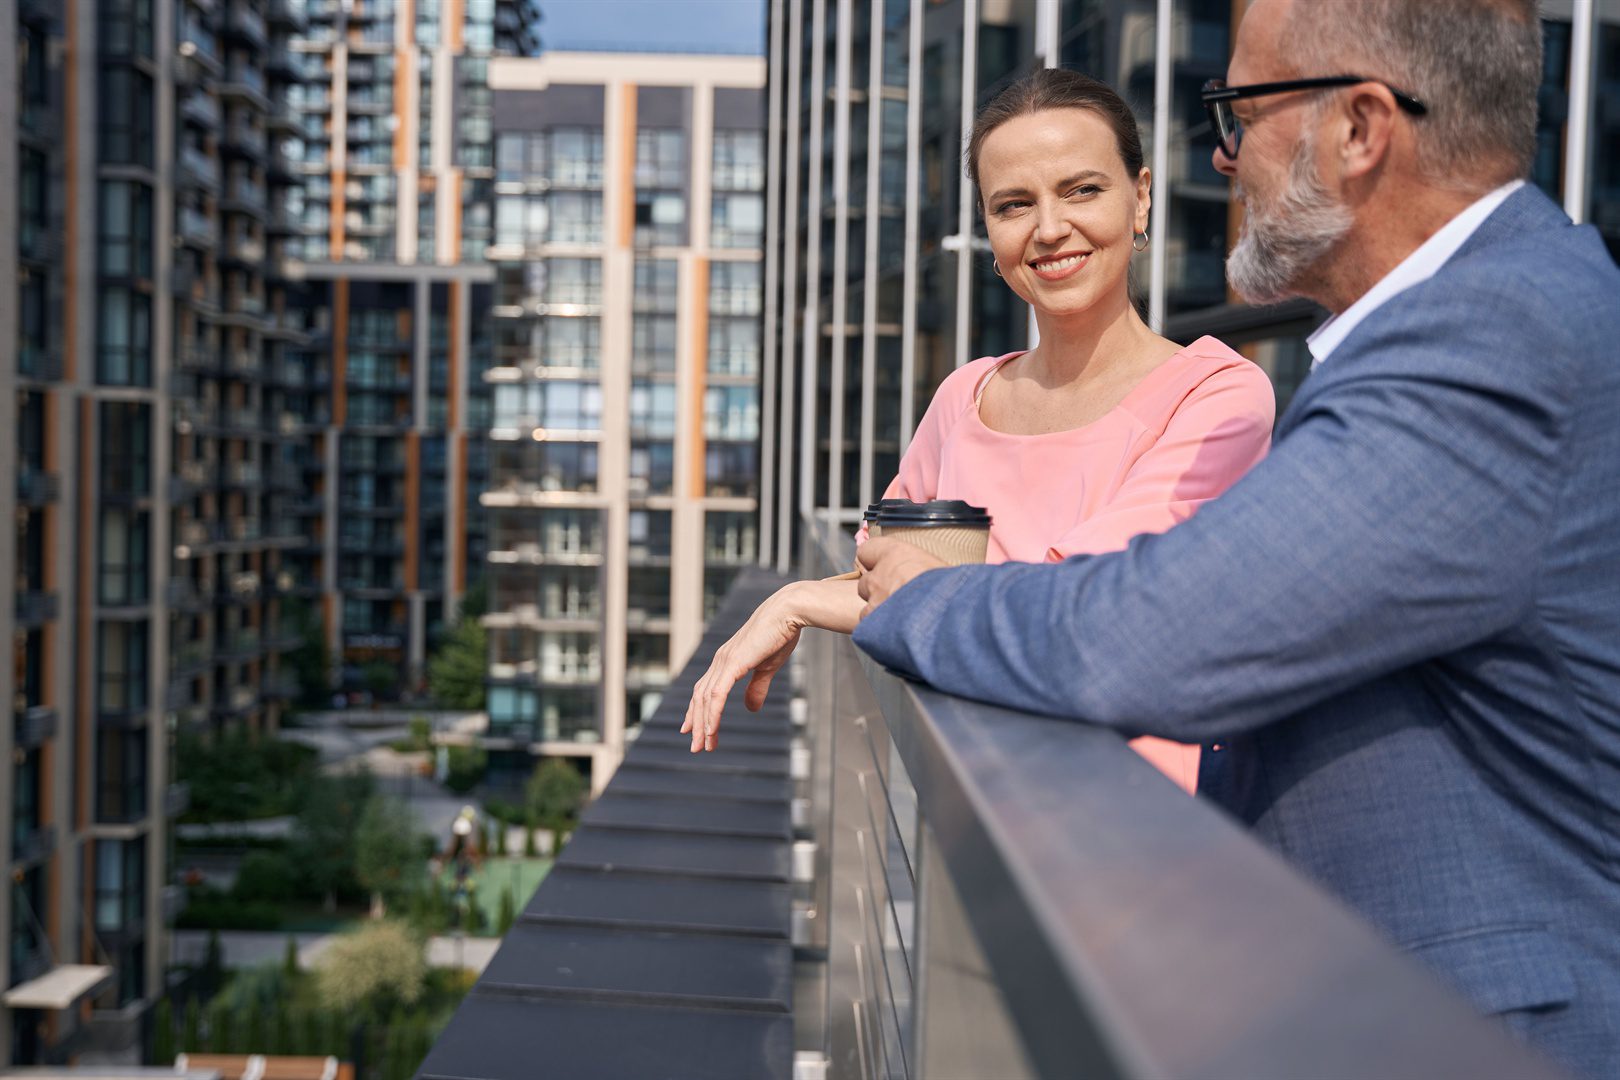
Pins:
<point x="1282" y="240"/>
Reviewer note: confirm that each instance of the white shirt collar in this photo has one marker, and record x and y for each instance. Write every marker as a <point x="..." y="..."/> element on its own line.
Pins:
<point x="1415" y="269"/>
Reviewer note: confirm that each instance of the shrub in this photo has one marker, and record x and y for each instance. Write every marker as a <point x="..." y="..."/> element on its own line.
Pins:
<point x="372" y="970"/>
<point x="467" y="765"/>
<point x="268" y="877"/>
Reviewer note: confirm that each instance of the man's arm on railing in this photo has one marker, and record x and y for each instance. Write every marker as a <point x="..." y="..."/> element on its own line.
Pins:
<point x="1401" y="519"/>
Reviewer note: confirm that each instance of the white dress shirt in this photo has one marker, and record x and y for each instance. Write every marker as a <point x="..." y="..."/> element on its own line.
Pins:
<point x="1415" y="269"/>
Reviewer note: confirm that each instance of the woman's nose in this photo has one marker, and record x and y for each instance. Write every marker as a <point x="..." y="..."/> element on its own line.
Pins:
<point x="1050" y="226"/>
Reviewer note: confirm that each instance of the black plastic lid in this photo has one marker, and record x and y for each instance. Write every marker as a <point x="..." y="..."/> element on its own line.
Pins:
<point x="874" y="509"/>
<point x="939" y="512"/>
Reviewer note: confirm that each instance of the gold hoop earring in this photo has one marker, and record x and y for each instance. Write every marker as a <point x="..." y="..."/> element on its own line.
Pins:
<point x="997" y="265"/>
<point x="1140" y="241"/>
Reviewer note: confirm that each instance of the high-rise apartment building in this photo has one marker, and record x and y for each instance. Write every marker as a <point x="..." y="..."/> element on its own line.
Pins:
<point x="879" y="280"/>
<point x="389" y="135"/>
<point x="198" y="407"/>
<point x="628" y="236"/>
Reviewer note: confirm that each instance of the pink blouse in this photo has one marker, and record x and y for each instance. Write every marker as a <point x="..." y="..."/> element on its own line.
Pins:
<point x="1183" y="435"/>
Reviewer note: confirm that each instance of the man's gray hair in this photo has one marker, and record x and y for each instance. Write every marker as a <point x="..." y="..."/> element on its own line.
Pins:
<point x="1476" y="64"/>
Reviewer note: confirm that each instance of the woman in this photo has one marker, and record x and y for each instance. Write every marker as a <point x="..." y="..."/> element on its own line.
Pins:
<point x="1101" y="432"/>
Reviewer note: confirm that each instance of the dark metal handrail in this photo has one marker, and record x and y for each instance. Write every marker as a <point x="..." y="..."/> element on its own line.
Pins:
<point x="1118" y="927"/>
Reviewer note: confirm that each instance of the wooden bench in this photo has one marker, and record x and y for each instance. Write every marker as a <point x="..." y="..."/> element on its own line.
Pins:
<point x="261" y="1067"/>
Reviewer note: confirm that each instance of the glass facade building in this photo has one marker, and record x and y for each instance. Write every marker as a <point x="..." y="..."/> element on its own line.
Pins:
<point x="878" y="277"/>
<point x="624" y="392"/>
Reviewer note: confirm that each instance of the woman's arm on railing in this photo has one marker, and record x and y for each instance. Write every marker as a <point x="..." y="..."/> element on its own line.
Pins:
<point x="763" y="645"/>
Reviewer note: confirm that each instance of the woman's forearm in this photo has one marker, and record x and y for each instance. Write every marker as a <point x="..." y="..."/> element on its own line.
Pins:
<point x="827" y="605"/>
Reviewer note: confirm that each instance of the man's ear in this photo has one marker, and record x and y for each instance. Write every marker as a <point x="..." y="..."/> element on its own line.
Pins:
<point x="1367" y="116"/>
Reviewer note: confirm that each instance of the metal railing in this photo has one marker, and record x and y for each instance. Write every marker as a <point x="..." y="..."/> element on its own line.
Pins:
<point x="1000" y="894"/>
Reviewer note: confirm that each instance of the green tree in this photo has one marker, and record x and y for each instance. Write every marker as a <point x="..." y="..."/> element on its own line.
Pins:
<point x="467" y="764"/>
<point x="553" y="796"/>
<point x="281" y="1029"/>
<point x="324" y="834"/>
<point x="221" y="1027"/>
<point x="529" y="848"/>
<point x="163" y="1052"/>
<point x="387" y="862"/>
<point x="310" y="662"/>
<point x="508" y="914"/>
<point x="456" y="672"/>
<point x="191" y="1029"/>
<point x="382" y="679"/>
<point x="214" y="960"/>
<point x="372" y="970"/>
<point x="289" y="959"/>
<point x="254" y="1038"/>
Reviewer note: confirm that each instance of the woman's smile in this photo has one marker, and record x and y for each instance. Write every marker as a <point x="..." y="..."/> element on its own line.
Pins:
<point x="1062" y="265"/>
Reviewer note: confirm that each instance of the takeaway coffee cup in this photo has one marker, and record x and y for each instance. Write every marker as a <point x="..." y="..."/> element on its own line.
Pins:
<point x="874" y="509"/>
<point x="948" y="529"/>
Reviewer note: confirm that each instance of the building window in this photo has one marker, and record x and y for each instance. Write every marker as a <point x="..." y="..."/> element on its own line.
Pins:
<point x="121" y="679"/>
<point x="739" y="161"/>
<point x="572" y="343"/>
<point x="24" y="796"/>
<point x="731" y="413"/>
<point x="126" y="116"/>
<point x="573" y="281"/>
<point x="576" y="158"/>
<point x="730" y="536"/>
<point x="652" y="410"/>
<point x="734" y="288"/>
<point x="126" y="229"/>
<point x="33" y="212"/>
<point x="126" y="450"/>
<point x="732" y="470"/>
<point x="125" y="571"/>
<point x="738" y="222"/>
<point x="734" y="347"/>
<point x="556" y="405"/>
<point x="120" y="884"/>
<point x="654" y="328"/>
<point x="124" y="345"/>
<point x="125" y="28"/>
<point x="652" y="468"/>
<point x="121" y="775"/>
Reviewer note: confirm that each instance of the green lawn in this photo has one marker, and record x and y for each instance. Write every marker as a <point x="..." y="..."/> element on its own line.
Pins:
<point x="522" y="876"/>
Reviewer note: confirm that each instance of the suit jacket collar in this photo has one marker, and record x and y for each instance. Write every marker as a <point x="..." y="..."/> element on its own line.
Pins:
<point x="1526" y="210"/>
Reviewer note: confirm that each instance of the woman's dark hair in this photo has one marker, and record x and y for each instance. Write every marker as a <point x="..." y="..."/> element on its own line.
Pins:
<point x="1054" y="88"/>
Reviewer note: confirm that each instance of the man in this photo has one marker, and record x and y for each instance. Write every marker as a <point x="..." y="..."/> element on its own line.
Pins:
<point x="1398" y="638"/>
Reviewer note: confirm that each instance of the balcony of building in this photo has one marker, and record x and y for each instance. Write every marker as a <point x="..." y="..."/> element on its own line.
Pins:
<point x="33" y="726"/>
<point x="203" y="110"/>
<point x="873" y="879"/>
<point x="35" y="486"/>
<point x="244" y="84"/>
<point x="245" y="25"/>
<point x="35" y="607"/>
<point x="31" y="843"/>
<point x="290" y="14"/>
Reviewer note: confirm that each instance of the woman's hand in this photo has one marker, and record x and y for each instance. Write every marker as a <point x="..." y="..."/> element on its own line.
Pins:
<point x="762" y="646"/>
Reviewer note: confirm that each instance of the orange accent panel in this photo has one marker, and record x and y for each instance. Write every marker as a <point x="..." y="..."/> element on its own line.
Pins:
<point x="700" y="372"/>
<point x="413" y="508"/>
<point x="626" y="180"/>
<point x="87" y="652"/>
<point x="404" y="70"/>
<point x="340" y="351"/>
<point x="454" y="254"/>
<point x="458" y="510"/>
<point x="336" y="238"/>
<point x="453" y="358"/>
<point x="453" y="19"/>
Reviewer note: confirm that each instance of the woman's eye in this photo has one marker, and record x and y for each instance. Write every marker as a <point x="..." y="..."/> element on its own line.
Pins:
<point x="1086" y="189"/>
<point x="1009" y="206"/>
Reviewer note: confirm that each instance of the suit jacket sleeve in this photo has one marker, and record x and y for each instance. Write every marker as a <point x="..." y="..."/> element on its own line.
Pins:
<point x="1400" y="518"/>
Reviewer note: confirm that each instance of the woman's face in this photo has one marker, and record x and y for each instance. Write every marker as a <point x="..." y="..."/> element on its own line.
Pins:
<point x="1059" y="208"/>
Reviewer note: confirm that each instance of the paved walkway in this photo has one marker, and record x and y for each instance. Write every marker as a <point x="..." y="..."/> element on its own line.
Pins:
<point x="250" y="948"/>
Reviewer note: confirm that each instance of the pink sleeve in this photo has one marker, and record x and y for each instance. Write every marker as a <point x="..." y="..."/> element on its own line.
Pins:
<point x="1218" y="432"/>
<point x="918" y="478"/>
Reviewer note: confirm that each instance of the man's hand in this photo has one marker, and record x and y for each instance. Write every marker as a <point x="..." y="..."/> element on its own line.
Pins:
<point x="887" y="565"/>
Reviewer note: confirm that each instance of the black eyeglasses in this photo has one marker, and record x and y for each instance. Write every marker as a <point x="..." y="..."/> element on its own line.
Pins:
<point x="1218" y="98"/>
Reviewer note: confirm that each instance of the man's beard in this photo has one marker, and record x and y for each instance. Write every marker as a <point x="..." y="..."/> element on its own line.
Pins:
<point x="1284" y="238"/>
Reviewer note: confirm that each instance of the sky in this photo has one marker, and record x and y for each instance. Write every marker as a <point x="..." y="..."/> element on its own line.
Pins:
<point x="728" y="26"/>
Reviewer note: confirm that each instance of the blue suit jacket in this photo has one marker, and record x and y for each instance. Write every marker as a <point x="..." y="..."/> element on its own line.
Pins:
<point x="1398" y="638"/>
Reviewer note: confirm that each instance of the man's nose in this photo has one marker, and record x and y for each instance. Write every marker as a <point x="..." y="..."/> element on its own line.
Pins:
<point x="1224" y="165"/>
